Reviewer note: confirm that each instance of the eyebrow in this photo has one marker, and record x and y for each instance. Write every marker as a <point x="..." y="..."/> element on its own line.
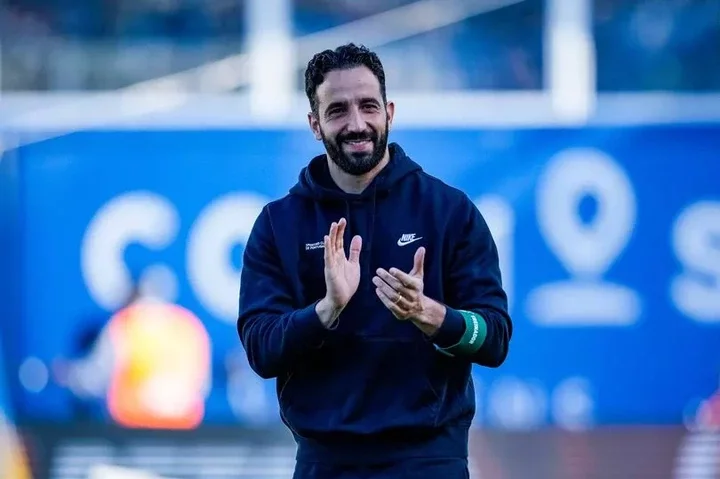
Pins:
<point x="369" y="99"/>
<point x="338" y="103"/>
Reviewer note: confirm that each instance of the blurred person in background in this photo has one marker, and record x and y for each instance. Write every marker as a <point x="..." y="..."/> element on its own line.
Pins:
<point x="85" y="371"/>
<point x="149" y="365"/>
<point x="373" y="365"/>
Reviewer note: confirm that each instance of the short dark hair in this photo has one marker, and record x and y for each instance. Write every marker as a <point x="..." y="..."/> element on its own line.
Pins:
<point x="343" y="57"/>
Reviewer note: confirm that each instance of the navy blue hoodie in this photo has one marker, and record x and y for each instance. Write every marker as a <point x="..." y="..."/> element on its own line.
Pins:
<point x="372" y="388"/>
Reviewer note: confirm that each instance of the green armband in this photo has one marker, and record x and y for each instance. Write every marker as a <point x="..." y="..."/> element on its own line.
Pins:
<point x="473" y="337"/>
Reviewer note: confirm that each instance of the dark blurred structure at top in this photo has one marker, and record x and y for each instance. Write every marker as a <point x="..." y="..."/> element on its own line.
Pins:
<point x="106" y="44"/>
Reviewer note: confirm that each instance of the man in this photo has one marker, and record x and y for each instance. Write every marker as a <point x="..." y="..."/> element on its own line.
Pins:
<point x="368" y="292"/>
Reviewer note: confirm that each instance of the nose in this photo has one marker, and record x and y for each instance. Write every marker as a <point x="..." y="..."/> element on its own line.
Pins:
<point x="356" y="122"/>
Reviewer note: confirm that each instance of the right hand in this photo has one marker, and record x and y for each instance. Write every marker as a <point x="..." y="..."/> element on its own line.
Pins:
<point x="342" y="274"/>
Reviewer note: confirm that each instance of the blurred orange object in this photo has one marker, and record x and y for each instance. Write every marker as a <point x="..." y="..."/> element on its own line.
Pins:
<point x="161" y="370"/>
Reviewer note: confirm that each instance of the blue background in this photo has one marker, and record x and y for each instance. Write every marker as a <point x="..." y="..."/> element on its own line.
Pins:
<point x="649" y="372"/>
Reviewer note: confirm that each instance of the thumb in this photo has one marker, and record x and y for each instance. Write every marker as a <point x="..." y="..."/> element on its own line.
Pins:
<point x="355" y="247"/>
<point x="419" y="263"/>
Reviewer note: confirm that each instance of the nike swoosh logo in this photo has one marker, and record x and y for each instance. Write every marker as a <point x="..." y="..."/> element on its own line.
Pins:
<point x="405" y="243"/>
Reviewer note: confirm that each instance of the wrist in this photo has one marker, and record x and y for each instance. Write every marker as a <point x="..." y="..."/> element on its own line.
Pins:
<point x="328" y="312"/>
<point x="431" y="317"/>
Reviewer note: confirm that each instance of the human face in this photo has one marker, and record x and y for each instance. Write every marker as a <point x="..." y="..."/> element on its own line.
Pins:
<point x="352" y="120"/>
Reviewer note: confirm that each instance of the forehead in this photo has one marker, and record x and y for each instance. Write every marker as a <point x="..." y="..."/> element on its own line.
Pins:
<point x="348" y="84"/>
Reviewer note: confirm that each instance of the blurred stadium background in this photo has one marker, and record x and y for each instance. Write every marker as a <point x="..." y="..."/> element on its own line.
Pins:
<point x="139" y="139"/>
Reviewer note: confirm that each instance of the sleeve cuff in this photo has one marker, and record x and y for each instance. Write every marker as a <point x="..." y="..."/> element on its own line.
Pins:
<point x="451" y="330"/>
<point x="307" y="327"/>
<point x="461" y="334"/>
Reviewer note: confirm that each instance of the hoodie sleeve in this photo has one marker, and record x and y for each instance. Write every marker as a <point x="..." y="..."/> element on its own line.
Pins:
<point x="477" y="325"/>
<point x="273" y="333"/>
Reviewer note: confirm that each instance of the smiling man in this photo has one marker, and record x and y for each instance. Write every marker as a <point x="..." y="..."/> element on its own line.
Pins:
<point x="369" y="291"/>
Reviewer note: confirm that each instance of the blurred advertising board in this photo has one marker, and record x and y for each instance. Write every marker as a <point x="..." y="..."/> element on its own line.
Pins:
<point x="607" y="236"/>
<point x="236" y="453"/>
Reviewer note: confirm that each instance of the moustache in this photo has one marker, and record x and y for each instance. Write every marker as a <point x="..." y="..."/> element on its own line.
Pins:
<point x="366" y="136"/>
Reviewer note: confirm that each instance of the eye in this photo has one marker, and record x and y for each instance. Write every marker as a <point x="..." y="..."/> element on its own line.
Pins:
<point x="334" y="110"/>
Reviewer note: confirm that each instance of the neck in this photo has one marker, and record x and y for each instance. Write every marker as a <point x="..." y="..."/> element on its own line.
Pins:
<point x="356" y="184"/>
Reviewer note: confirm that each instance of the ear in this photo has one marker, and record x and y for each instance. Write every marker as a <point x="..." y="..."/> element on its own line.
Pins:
<point x="314" y="126"/>
<point x="390" y="109"/>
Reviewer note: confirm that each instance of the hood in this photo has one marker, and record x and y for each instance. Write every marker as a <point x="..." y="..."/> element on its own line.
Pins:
<point x="315" y="182"/>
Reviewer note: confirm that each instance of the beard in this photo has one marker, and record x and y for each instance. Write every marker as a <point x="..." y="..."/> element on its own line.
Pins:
<point x="360" y="162"/>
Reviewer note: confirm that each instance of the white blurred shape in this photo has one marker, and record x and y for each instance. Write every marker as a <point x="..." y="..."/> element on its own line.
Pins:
<point x="33" y="375"/>
<point x="578" y="304"/>
<point x="114" y="472"/>
<point x="272" y="63"/>
<point x="585" y="250"/>
<point x="698" y="456"/>
<point x="696" y="241"/>
<point x="223" y="224"/>
<point x="570" y="58"/>
<point x="518" y="405"/>
<point x="573" y="404"/>
<point x="136" y="217"/>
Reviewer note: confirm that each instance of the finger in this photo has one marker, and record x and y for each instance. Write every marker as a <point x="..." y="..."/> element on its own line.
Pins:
<point x="390" y="279"/>
<point x="419" y="263"/>
<point x="397" y="297"/>
<point x="410" y="282"/>
<point x="328" y="254"/>
<point x="384" y="299"/>
<point x="340" y="240"/>
<point x="386" y="289"/>
<point x="355" y="248"/>
<point x="332" y="234"/>
<point x="394" y="308"/>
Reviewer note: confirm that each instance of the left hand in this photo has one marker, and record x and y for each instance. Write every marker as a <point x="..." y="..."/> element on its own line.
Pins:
<point x="402" y="293"/>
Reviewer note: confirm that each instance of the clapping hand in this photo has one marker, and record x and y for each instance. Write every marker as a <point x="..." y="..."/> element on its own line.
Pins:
<point x="402" y="293"/>
<point x="342" y="274"/>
